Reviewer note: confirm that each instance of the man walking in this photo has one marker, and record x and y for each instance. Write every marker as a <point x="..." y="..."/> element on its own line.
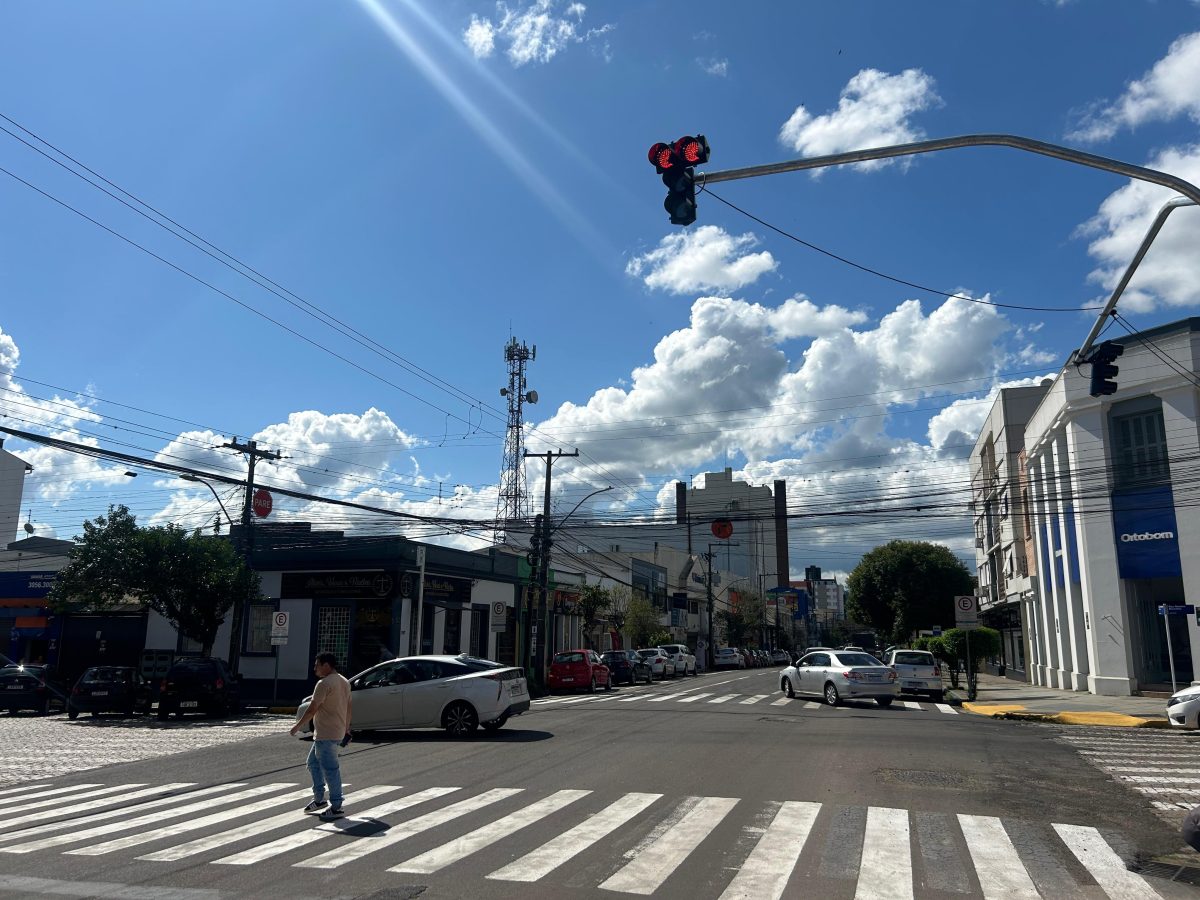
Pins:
<point x="329" y="712"/>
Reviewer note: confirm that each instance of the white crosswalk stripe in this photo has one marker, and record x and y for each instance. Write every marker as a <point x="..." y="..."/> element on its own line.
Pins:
<point x="783" y="702"/>
<point x="754" y="699"/>
<point x="112" y="798"/>
<point x="942" y="707"/>
<point x="25" y="790"/>
<point x="724" y="699"/>
<point x="632" y="843"/>
<point x="694" y="697"/>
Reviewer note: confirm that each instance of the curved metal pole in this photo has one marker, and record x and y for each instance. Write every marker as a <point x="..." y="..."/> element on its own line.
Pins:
<point x="186" y="477"/>
<point x="563" y="521"/>
<point x="1017" y="142"/>
<point x="1169" y="207"/>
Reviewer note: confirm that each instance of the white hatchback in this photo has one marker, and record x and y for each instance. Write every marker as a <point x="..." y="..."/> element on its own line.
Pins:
<point x="457" y="693"/>
<point x="684" y="659"/>
<point x="660" y="662"/>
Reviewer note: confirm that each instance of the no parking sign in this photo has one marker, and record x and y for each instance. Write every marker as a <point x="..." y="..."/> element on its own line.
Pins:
<point x="279" y="628"/>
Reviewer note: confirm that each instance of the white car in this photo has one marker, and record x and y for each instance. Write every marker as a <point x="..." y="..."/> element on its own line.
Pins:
<point x="918" y="672"/>
<point x="1183" y="709"/>
<point x="684" y="659"/>
<point x="729" y="658"/>
<point x="457" y="693"/>
<point x="661" y="664"/>
<point x="839" y="675"/>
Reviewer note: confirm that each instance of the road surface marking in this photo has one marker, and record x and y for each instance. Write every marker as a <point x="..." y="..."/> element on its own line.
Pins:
<point x="569" y="844"/>
<point x="765" y="873"/>
<point x="694" y="698"/>
<point x="29" y="787"/>
<point x="1002" y="875"/>
<point x="942" y="707"/>
<point x="811" y="705"/>
<point x="91" y="804"/>
<point x="1104" y="865"/>
<point x="440" y="857"/>
<point x="911" y="705"/>
<point x="754" y="699"/>
<point x="61" y="790"/>
<point x="404" y="830"/>
<point x="213" y="841"/>
<point x="885" y="872"/>
<point x="784" y="702"/>
<point x="311" y="835"/>
<point x="668" y="697"/>
<point x="724" y="698"/>
<point x="650" y="867"/>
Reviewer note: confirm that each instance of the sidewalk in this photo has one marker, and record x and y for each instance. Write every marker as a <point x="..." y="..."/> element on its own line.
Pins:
<point x="1005" y="698"/>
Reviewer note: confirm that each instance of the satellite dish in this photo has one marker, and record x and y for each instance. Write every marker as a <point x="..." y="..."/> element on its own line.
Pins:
<point x="531" y="396"/>
<point x="29" y="528"/>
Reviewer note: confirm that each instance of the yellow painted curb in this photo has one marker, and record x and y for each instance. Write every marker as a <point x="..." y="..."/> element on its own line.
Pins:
<point x="992" y="709"/>
<point x="1100" y="718"/>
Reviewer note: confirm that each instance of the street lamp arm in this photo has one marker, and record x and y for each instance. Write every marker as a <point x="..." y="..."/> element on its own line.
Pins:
<point x="187" y="477"/>
<point x="1017" y="142"/>
<point x="577" y="505"/>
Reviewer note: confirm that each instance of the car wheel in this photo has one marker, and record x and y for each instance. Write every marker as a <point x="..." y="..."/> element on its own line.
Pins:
<point x="163" y="714"/>
<point x="608" y="683"/>
<point x="885" y="702"/>
<point x="95" y="713"/>
<point x="592" y="689"/>
<point x="72" y="714"/>
<point x="831" y="694"/>
<point x="785" y="685"/>
<point x="460" y="719"/>
<point x="495" y="724"/>
<point x="937" y="696"/>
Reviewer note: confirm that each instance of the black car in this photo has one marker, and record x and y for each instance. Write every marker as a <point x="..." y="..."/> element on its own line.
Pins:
<point x="199" y="684"/>
<point x="34" y="687"/>
<point x="109" y="689"/>
<point x="627" y="667"/>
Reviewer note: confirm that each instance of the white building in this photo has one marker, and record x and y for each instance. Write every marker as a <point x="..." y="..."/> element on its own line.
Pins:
<point x="1116" y="521"/>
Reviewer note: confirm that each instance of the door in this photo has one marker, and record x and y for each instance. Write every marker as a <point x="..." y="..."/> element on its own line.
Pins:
<point x="377" y="697"/>
<point x="427" y="695"/>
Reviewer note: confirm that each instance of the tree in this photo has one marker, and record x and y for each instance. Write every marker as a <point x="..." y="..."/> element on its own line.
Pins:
<point x="190" y="579"/>
<point x="618" y="607"/>
<point x="903" y="586"/>
<point x="642" y="620"/>
<point x="985" y="642"/>
<point x="593" y="601"/>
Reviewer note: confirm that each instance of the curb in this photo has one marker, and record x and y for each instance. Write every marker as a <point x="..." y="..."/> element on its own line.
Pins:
<point x="1102" y="719"/>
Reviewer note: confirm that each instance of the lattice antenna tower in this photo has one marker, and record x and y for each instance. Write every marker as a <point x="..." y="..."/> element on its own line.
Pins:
<point x="512" y="503"/>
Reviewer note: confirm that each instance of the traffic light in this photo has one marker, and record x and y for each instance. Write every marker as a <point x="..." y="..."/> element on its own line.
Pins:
<point x="675" y="162"/>
<point x="1103" y="370"/>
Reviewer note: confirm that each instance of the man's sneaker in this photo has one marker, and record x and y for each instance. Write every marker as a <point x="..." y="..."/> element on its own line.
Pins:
<point x="334" y="812"/>
<point x="315" y="807"/>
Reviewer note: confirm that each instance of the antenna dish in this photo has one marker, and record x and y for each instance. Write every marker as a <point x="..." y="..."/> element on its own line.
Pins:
<point x="532" y="397"/>
<point x="29" y="528"/>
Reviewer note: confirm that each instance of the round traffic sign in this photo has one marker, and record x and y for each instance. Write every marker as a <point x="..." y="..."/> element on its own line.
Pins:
<point x="498" y="608"/>
<point x="281" y="619"/>
<point x="965" y="603"/>
<point x="722" y="529"/>
<point x="263" y="504"/>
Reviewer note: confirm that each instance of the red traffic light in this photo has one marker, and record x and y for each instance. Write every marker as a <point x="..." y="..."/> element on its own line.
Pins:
<point x="692" y="150"/>
<point x="662" y="157"/>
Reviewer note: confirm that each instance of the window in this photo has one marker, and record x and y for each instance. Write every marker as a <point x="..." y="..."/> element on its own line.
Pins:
<point x="333" y="631"/>
<point x="1140" y="449"/>
<point x="258" y="628"/>
<point x="425" y="669"/>
<point x="189" y="645"/>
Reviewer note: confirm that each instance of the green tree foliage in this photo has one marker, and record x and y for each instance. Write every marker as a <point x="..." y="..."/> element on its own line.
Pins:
<point x="985" y="642"/>
<point x="190" y="579"/>
<point x="593" y="602"/>
<point x="642" y="621"/>
<point x="903" y="586"/>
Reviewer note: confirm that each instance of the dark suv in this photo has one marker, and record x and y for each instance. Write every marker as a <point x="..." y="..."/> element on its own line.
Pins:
<point x="33" y="687"/>
<point x="109" y="689"/>
<point x="627" y="667"/>
<point x="199" y="684"/>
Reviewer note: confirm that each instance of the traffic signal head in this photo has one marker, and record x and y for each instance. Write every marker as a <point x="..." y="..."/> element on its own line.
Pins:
<point x="662" y="157"/>
<point x="1103" y="370"/>
<point x="692" y="150"/>
<point x="674" y="162"/>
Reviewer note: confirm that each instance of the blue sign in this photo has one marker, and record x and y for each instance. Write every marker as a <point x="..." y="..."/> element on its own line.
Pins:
<point x="1176" y="609"/>
<point x="1146" y="533"/>
<point x="937" y="630"/>
<point x="19" y="585"/>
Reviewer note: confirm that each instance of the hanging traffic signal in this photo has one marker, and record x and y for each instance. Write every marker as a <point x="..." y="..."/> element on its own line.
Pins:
<point x="675" y="162"/>
<point x="1103" y="370"/>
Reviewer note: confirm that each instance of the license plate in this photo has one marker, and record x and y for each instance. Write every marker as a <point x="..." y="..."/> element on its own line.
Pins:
<point x="189" y="704"/>
<point x="874" y="678"/>
<point x="16" y="687"/>
<point x="516" y="689"/>
<point x="568" y="678"/>
<point x="915" y="684"/>
<point x="99" y="693"/>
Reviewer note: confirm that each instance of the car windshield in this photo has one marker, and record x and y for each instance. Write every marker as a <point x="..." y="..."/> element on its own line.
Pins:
<point x="913" y="659"/>
<point x="857" y="659"/>
<point x="573" y="657"/>
<point x="107" y="676"/>
<point x="613" y="657"/>
<point x="648" y="654"/>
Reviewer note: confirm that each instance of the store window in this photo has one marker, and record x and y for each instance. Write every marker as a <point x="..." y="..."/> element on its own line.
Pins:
<point x="1140" y="449"/>
<point x="258" y="628"/>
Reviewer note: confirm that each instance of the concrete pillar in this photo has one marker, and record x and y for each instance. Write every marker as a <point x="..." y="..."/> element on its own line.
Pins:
<point x="1044" y="611"/>
<point x="1109" y="632"/>
<point x="1074" y="633"/>
<point x="439" y="626"/>
<point x="1181" y="409"/>
<point x="464" y="631"/>
<point x="404" y="644"/>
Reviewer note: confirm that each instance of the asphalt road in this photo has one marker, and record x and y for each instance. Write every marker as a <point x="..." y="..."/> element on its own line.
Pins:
<point x="700" y="788"/>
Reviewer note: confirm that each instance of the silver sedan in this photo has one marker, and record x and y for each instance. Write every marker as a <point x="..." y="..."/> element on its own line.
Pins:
<point x="838" y="675"/>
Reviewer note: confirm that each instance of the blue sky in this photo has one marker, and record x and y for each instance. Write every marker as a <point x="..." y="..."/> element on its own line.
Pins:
<point x="440" y="175"/>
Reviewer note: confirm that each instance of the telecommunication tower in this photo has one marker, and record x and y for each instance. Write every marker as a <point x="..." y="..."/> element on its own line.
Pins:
<point x="512" y="501"/>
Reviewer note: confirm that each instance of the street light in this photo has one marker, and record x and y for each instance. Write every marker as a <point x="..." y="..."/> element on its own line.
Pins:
<point x="187" y="477"/>
<point x="545" y="544"/>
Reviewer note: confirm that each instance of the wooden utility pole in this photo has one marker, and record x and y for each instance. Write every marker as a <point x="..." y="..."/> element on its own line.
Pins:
<point x="541" y="622"/>
<point x="250" y="448"/>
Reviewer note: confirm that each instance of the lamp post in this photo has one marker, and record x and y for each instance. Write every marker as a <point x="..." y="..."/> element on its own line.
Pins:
<point x="544" y="573"/>
<point x="186" y="477"/>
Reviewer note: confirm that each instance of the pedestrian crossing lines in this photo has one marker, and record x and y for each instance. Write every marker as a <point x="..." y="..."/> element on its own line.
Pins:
<point x="702" y="698"/>
<point x="625" y="843"/>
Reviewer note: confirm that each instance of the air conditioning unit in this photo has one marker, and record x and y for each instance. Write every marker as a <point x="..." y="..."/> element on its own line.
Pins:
<point x="979" y="543"/>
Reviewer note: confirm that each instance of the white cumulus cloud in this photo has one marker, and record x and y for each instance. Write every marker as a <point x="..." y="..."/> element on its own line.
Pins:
<point x="535" y="32"/>
<point x="874" y="110"/>
<point x="707" y="258"/>
<point x="1170" y="89"/>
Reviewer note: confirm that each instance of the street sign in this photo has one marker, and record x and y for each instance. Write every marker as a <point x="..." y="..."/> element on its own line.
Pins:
<point x="966" y="612"/>
<point x="263" y="504"/>
<point x="1168" y="609"/>
<point x="279" y="641"/>
<point x="937" y="630"/>
<point x="499" y="615"/>
<point x="722" y="529"/>
<point x="279" y="625"/>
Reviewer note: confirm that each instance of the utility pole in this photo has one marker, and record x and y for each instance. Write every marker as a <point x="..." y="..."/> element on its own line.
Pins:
<point x="541" y="622"/>
<point x="250" y="448"/>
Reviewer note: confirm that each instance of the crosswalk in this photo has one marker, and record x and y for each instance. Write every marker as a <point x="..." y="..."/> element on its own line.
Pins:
<point x="706" y="695"/>
<point x="625" y="843"/>
<point x="1160" y="764"/>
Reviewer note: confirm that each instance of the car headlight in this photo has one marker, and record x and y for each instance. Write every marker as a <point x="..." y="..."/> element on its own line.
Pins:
<point x="1182" y="698"/>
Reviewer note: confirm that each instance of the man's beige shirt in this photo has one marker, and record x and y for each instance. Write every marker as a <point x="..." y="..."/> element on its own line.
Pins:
<point x="332" y="720"/>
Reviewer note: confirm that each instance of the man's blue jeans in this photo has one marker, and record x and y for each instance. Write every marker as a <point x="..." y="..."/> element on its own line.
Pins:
<point x="323" y="766"/>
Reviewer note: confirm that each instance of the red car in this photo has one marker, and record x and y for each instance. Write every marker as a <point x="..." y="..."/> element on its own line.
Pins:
<point x="574" y="669"/>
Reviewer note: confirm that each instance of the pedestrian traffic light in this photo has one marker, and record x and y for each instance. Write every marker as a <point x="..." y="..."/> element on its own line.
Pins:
<point x="675" y="162"/>
<point x="1103" y="370"/>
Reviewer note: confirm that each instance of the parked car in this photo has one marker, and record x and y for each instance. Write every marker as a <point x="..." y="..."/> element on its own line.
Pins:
<point x="764" y="658"/>
<point x="853" y="649"/>
<point x="1183" y="709"/>
<point x="626" y="667"/>
<point x="457" y="693"/>
<point x="32" y="686"/>
<point x="199" y="684"/>
<point x="728" y="658"/>
<point x="918" y="672"/>
<point x="839" y="675"/>
<point x="748" y="657"/>
<point x="574" y="669"/>
<point x="101" y="689"/>
<point x="684" y="659"/>
<point x="808" y="650"/>
<point x="659" y="661"/>
<point x="780" y="657"/>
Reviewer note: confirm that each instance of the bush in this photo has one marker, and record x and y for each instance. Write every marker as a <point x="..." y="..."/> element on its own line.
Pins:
<point x="985" y="642"/>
